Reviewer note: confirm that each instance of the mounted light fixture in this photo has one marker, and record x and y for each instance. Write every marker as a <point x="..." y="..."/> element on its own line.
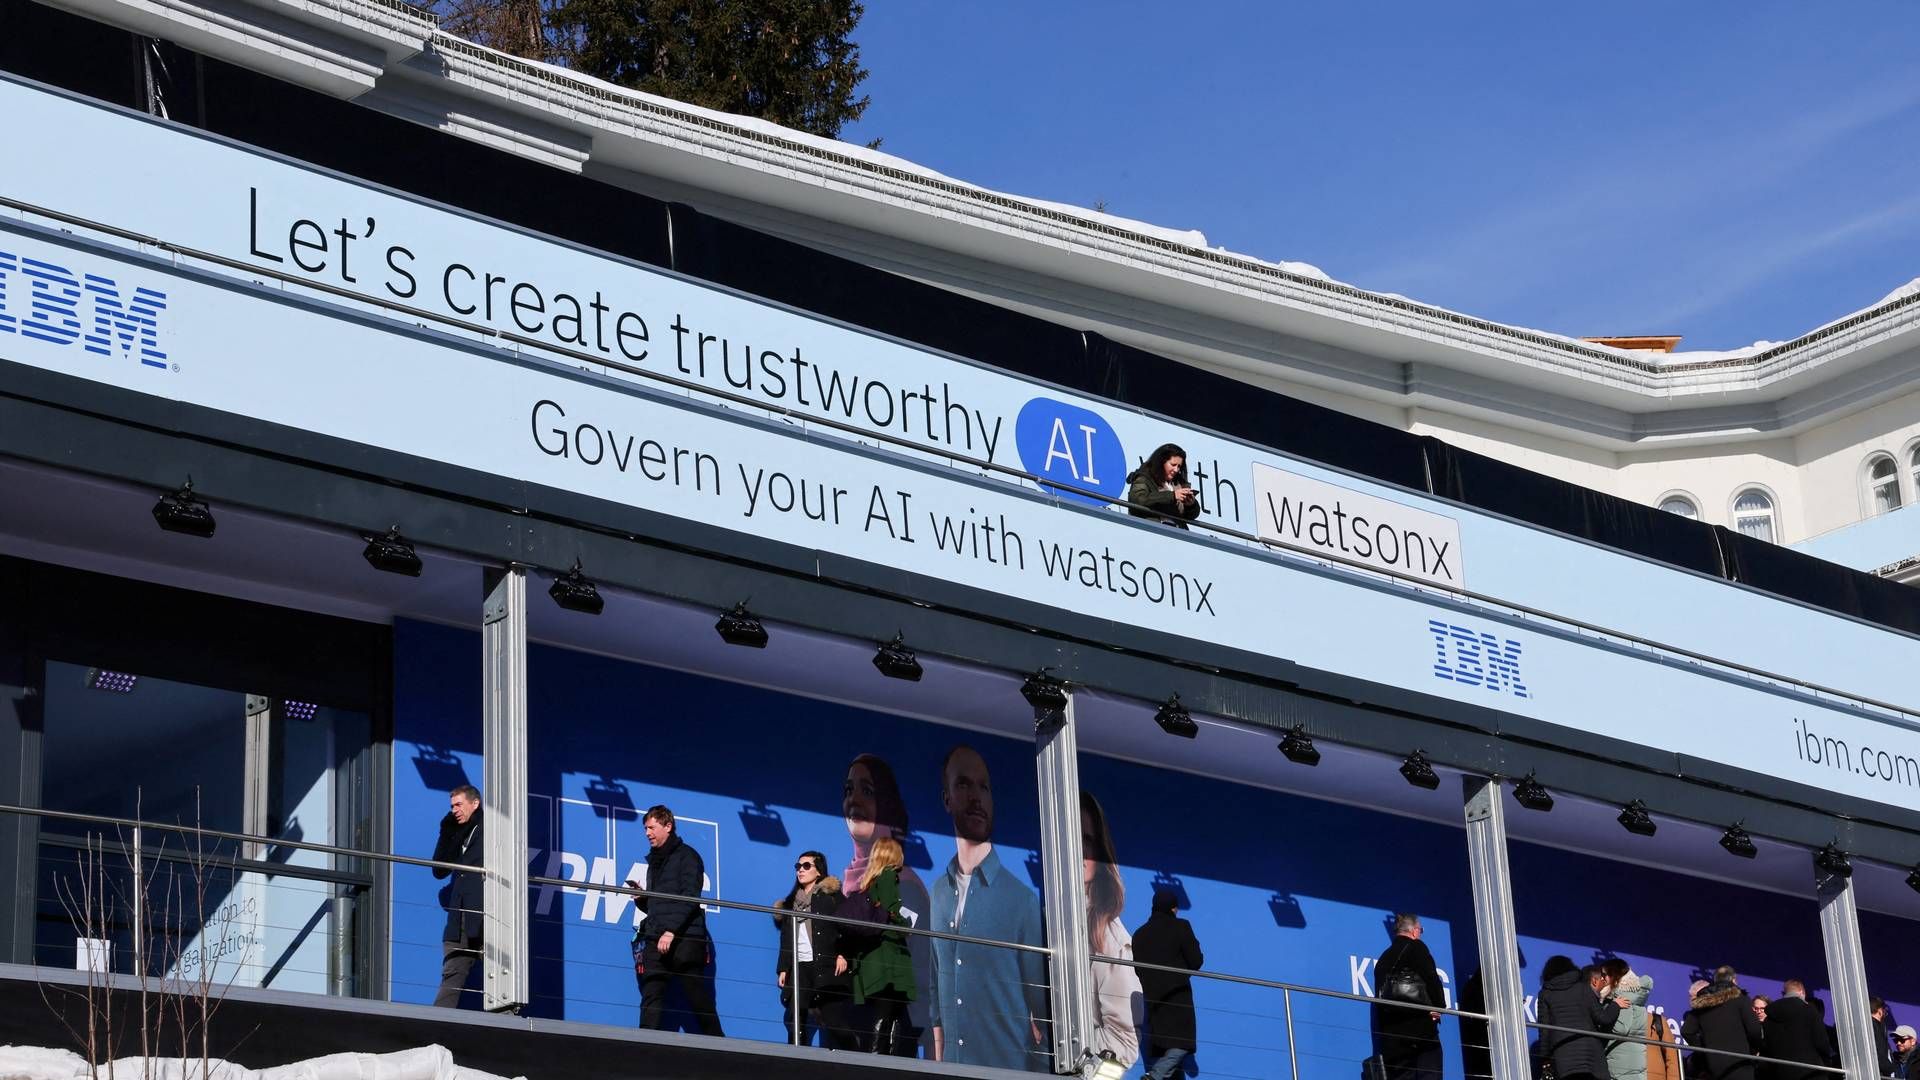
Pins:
<point x="1045" y="692"/>
<point x="184" y="512"/>
<point x="1913" y="879"/>
<point x="739" y="627"/>
<point x="1419" y="771"/>
<point x="1737" y="842"/>
<point x="391" y="554"/>
<point x="1831" y="862"/>
<point x="1635" y="819"/>
<point x="1298" y="746"/>
<point x="896" y="661"/>
<point x="114" y="682"/>
<point x="1531" y="794"/>
<point x="574" y="592"/>
<point x="1174" y="719"/>
<point x="1103" y="1067"/>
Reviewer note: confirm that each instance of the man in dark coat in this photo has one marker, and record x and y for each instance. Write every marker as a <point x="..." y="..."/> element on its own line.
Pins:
<point x="1906" y="1054"/>
<point x="1794" y="1031"/>
<point x="460" y="842"/>
<point x="1168" y="940"/>
<point x="1720" y="1017"/>
<point x="1883" y="1059"/>
<point x="1407" y="1039"/>
<point x="674" y="935"/>
<point x="1570" y="998"/>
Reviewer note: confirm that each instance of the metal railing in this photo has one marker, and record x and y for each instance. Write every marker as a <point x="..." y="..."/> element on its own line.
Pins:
<point x="1688" y="1048"/>
<point x="1296" y="552"/>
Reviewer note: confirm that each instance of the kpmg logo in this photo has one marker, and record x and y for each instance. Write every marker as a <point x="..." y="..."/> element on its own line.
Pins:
<point x="1072" y="446"/>
<point x="1476" y="658"/>
<point x="48" y="302"/>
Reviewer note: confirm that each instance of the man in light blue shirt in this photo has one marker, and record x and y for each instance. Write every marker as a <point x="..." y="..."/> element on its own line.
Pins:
<point x="987" y="1002"/>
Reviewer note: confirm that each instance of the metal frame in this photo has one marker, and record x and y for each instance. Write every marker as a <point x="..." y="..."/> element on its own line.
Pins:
<point x="506" y="987"/>
<point x="1499" y="939"/>
<point x="1847" y="976"/>
<point x="1070" y="985"/>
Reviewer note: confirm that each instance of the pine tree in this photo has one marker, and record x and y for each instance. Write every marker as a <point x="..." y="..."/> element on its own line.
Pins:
<point x="788" y="61"/>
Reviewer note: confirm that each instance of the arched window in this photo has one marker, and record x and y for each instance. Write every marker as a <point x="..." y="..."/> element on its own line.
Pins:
<point x="1753" y="514"/>
<point x="1913" y="468"/>
<point x="1681" y="505"/>
<point x="1883" y="484"/>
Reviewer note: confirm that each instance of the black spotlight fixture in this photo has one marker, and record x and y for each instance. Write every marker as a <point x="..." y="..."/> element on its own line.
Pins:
<point x="1737" y="842"/>
<point x="1831" y="862"/>
<point x="739" y="627"/>
<point x="1913" y="878"/>
<point x="574" y="592"/>
<point x="184" y="512"/>
<point x="392" y="554"/>
<point x="1174" y="719"/>
<point x="1419" y="771"/>
<point x="1531" y="794"/>
<point x="895" y="660"/>
<point x="1635" y="819"/>
<point x="1045" y="692"/>
<point x="1299" y="748"/>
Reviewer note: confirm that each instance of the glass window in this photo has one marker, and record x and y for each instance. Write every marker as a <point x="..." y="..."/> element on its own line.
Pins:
<point x="1913" y="466"/>
<point x="1883" y="484"/>
<point x="1753" y="514"/>
<point x="1681" y="505"/>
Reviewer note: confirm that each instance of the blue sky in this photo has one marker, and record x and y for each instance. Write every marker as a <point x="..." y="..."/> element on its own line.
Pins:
<point x="1730" y="172"/>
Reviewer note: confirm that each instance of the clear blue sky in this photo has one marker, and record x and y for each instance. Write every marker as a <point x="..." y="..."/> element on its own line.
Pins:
<point x="1726" y="171"/>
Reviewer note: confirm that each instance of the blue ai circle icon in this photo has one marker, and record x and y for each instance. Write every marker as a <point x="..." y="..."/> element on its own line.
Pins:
<point x="1074" y="448"/>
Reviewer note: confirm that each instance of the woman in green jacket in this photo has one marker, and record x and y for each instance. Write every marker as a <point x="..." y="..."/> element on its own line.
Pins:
<point x="1159" y="488"/>
<point x="882" y="967"/>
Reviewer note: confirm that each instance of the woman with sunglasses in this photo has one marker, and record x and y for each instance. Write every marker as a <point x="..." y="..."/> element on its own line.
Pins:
<point x="823" y="994"/>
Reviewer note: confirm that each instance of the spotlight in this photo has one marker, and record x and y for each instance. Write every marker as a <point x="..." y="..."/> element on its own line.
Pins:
<point x="896" y="661"/>
<point x="1045" y="692"/>
<point x="1419" y="771"/>
<point x="1737" y="842"/>
<point x="1913" y="879"/>
<point x="392" y="554"/>
<point x="1831" y="862"/>
<point x="1104" y="1067"/>
<point x="1530" y="794"/>
<point x="1298" y="746"/>
<point x="739" y="627"/>
<point x="574" y="592"/>
<point x="1635" y="819"/>
<point x="1174" y="719"/>
<point x="299" y="710"/>
<point x="114" y="682"/>
<point x="183" y="512"/>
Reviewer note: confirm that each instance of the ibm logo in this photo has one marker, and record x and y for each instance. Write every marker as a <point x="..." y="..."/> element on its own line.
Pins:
<point x="48" y="302"/>
<point x="1475" y="658"/>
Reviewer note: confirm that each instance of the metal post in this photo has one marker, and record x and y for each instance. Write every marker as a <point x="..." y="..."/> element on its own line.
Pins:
<point x="1070" y="976"/>
<point x="257" y="775"/>
<point x="793" y="975"/>
<point x="1846" y="975"/>
<point x="139" y="908"/>
<point x="1293" y="1057"/>
<point x="504" y="799"/>
<point x="1499" y="940"/>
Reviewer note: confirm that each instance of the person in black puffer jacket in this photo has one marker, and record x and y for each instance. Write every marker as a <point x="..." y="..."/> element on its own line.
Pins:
<point x="1721" y="1018"/>
<point x="1570" y="998"/>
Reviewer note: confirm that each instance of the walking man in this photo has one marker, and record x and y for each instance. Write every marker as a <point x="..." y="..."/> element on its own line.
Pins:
<point x="1167" y="939"/>
<point x="674" y="934"/>
<point x="460" y="842"/>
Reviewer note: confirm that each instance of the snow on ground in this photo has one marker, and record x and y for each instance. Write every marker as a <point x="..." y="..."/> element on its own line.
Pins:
<point x="423" y="1063"/>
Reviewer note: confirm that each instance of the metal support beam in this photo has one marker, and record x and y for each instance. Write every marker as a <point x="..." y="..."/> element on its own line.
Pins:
<point x="1846" y="975"/>
<point x="1070" y="981"/>
<point x="1499" y="940"/>
<point x="504" y="797"/>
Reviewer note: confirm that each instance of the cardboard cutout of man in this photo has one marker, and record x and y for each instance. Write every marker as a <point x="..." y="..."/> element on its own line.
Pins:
<point x="987" y="1001"/>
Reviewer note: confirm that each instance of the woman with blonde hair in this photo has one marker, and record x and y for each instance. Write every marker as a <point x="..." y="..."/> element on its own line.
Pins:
<point x="877" y="955"/>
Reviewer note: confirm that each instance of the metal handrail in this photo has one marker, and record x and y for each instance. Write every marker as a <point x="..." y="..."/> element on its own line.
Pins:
<point x="1276" y="984"/>
<point x="221" y="834"/>
<point x="600" y="360"/>
<point x="779" y="913"/>
<point x="322" y="874"/>
<point x="1684" y="1047"/>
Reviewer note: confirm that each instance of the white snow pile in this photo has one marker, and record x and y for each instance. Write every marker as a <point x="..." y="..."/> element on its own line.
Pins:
<point x="423" y="1063"/>
<point x="1909" y="289"/>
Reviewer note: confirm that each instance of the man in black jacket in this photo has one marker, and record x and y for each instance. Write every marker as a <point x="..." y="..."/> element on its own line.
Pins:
<point x="1794" y="1031"/>
<point x="1570" y="999"/>
<point x="1167" y="939"/>
<point x="1883" y="1060"/>
<point x="674" y="933"/>
<point x="1407" y="1039"/>
<point x="460" y="842"/>
<point x="1720" y="1017"/>
<point x="1906" y="1054"/>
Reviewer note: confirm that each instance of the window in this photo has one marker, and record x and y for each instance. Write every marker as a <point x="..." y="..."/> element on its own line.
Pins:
<point x="1753" y="514"/>
<point x="1681" y="505"/>
<point x="1913" y="467"/>
<point x="1883" y="484"/>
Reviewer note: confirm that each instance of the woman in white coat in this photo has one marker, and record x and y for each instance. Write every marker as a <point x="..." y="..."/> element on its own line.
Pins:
<point x="1118" y="1004"/>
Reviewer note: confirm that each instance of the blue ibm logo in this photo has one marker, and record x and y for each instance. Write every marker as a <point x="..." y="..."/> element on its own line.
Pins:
<point x="1475" y="658"/>
<point x="48" y="302"/>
